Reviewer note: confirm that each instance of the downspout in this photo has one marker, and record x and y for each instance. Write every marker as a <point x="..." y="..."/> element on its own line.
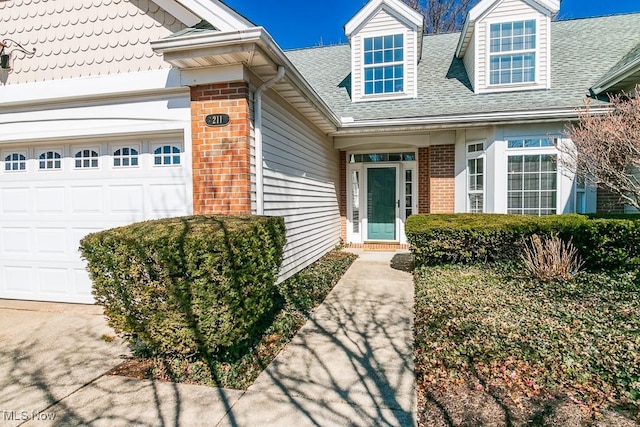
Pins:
<point x="258" y="137"/>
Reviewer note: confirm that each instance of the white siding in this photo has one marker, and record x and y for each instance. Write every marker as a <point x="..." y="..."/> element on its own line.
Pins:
<point x="383" y="23"/>
<point x="301" y="184"/>
<point x="469" y="61"/>
<point x="505" y="11"/>
<point x="84" y="37"/>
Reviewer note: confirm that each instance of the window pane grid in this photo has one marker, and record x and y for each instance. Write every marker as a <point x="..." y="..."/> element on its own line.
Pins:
<point x="408" y="192"/>
<point x="50" y="160"/>
<point x="166" y="155"/>
<point x="532" y="185"/>
<point x="125" y="157"/>
<point x="86" y="159"/>
<point x="355" y="201"/>
<point x="512" y="52"/>
<point x="383" y="60"/>
<point x="382" y="157"/>
<point x="530" y="143"/>
<point x="15" y="162"/>
<point x="475" y="185"/>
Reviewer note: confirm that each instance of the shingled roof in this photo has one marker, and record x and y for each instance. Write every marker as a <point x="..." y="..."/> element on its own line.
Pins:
<point x="583" y="51"/>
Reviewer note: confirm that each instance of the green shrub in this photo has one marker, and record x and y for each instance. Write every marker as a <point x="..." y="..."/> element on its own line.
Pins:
<point x="308" y="288"/>
<point x="190" y="286"/>
<point x="471" y="238"/>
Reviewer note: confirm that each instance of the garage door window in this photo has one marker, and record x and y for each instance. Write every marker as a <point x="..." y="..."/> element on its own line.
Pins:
<point x="166" y="155"/>
<point x="86" y="159"/>
<point x="125" y="157"/>
<point x="50" y="160"/>
<point x="15" y="162"/>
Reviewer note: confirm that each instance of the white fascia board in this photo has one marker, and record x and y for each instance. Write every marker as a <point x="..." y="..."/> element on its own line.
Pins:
<point x="484" y="119"/>
<point x="260" y="37"/>
<point x="129" y="84"/>
<point x="217" y="14"/>
<point x="609" y="81"/>
<point x="478" y="11"/>
<point x="208" y="40"/>
<point x="370" y="8"/>
<point x="178" y="11"/>
<point x="465" y="37"/>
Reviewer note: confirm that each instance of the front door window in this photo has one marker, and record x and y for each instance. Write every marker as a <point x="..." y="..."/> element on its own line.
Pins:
<point x="381" y="203"/>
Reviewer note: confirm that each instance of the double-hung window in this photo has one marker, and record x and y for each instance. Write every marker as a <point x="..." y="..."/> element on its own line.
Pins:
<point x="383" y="64"/>
<point x="512" y="52"/>
<point x="475" y="177"/>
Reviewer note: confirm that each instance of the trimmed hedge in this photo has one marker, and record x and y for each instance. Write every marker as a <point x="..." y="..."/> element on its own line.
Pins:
<point x="471" y="238"/>
<point x="189" y="286"/>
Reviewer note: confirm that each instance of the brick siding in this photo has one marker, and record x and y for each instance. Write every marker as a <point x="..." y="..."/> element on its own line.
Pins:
<point x="221" y="155"/>
<point x="436" y="179"/>
<point x="608" y="202"/>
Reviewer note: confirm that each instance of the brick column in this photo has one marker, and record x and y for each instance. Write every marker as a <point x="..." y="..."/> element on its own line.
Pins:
<point x="423" y="180"/>
<point x="221" y="155"/>
<point x="442" y="178"/>
<point x="436" y="179"/>
<point x="343" y="196"/>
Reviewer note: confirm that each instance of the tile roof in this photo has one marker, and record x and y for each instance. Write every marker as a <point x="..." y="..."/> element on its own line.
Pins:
<point x="583" y="51"/>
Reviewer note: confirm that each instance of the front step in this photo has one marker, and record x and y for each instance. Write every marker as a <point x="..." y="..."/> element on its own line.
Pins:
<point x="378" y="246"/>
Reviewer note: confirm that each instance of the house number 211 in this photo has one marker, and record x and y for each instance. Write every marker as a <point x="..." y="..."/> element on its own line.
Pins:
<point x="217" y="119"/>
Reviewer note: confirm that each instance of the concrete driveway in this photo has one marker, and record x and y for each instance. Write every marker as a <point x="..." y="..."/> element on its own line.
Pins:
<point x="53" y="361"/>
<point x="49" y="352"/>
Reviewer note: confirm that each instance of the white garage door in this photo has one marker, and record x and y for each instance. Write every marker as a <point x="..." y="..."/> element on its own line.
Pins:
<point x="51" y="196"/>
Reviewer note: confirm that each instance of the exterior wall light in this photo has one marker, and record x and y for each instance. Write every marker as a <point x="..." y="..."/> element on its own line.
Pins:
<point x="7" y="47"/>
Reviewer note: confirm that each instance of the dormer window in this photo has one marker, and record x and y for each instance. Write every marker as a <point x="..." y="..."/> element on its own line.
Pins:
<point x="512" y="52"/>
<point x="383" y="64"/>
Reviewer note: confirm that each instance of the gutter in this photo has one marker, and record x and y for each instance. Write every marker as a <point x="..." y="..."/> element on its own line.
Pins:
<point x="258" y="137"/>
<point x="350" y="127"/>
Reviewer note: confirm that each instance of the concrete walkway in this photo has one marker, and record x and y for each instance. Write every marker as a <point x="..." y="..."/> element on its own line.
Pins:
<point x="351" y="364"/>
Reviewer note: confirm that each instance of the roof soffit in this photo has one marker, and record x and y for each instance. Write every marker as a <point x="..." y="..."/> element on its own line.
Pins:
<point x="546" y="7"/>
<point x="398" y="9"/>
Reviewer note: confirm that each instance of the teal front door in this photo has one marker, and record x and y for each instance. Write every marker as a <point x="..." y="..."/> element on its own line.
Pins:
<point x="381" y="203"/>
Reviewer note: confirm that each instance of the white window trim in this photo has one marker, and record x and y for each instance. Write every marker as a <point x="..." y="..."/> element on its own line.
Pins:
<point x="58" y="150"/>
<point x="115" y="147"/>
<point x="508" y="87"/>
<point x="6" y="153"/>
<point x="532" y="151"/>
<point x="155" y="146"/>
<point x="535" y="51"/>
<point x="358" y="238"/>
<point x="410" y="87"/>
<point x="353" y="237"/>
<point x="385" y="64"/>
<point x="471" y="156"/>
<point x="79" y="148"/>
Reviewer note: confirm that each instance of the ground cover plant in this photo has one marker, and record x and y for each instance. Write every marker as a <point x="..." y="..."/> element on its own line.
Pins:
<point x="496" y="348"/>
<point x="526" y="320"/>
<point x="295" y="299"/>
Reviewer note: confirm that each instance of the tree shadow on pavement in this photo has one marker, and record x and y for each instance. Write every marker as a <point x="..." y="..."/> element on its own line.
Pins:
<point x="351" y="364"/>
